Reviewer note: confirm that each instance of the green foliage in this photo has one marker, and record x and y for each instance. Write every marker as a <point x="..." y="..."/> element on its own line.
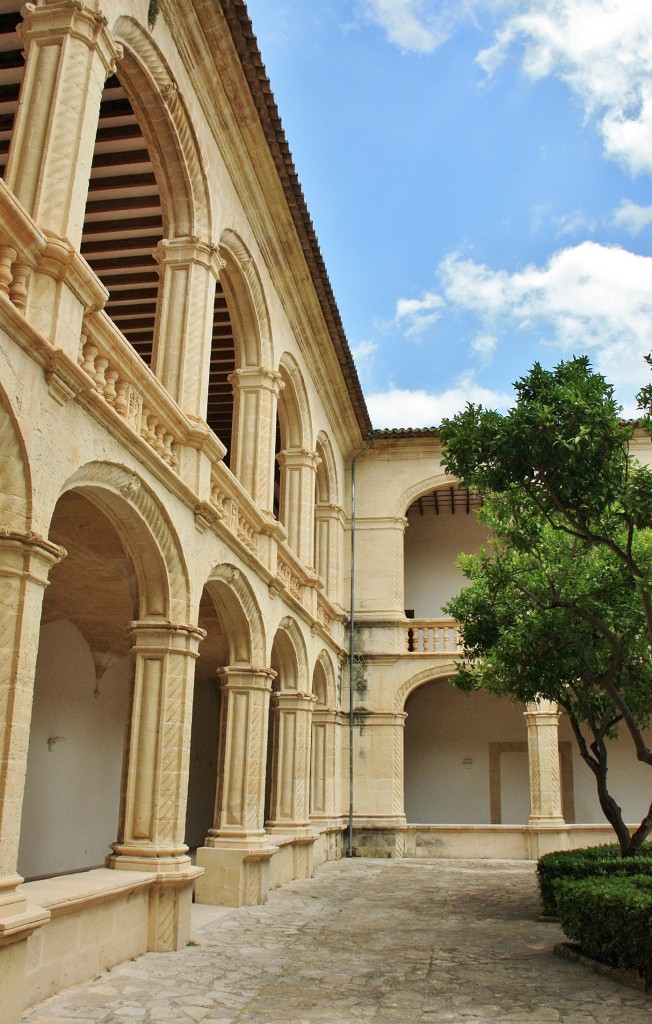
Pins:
<point x="611" y="919"/>
<point x="594" y="861"/>
<point x="560" y="601"/>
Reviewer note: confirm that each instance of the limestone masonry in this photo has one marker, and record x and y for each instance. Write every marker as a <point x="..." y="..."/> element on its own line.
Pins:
<point x="179" y="415"/>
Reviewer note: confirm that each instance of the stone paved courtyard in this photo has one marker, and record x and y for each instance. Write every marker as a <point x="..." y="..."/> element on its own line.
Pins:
<point x="365" y="940"/>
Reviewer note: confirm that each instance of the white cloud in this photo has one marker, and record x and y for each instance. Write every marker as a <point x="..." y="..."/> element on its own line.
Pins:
<point x="602" y="49"/>
<point x="485" y="345"/>
<point x="632" y="217"/>
<point x="399" y="407"/>
<point x="364" y="352"/>
<point x="415" y="315"/>
<point x="418" y="26"/>
<point x="589" y="298"/>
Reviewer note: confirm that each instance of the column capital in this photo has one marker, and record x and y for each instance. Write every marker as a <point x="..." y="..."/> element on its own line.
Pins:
<point x="542" y="709"/>
<point x="251" y="378"/>
<point x="301" y="457"/>
<point x="190" y="249"/>
<point x="293" y="700"/>
<point x="166" y="637"/>
<point x="235" y="678"/>
<point x="28" y="555"/>
<point x="50" y="22"/>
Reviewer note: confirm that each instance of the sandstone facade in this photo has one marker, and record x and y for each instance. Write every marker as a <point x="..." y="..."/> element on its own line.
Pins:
<point x="179" y="415"/>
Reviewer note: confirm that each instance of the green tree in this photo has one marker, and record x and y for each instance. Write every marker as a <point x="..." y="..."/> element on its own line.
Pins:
<point x="563" y="493"/>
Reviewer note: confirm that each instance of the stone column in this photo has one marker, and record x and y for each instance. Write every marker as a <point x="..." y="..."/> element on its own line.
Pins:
<point x="297" y="504"/>
<point x="25" y="561"/>
<point x="546" y="823"/>
<point x="324" y="765"/>
<point x="152" y="832"/>
<point x="255" y="398"/>
<point x="327" y="554"/>
<point x="188" y="270"/>
<point x="290" y="790"/>
<point x="236" y="855"/>
<point x="69" y="54"/>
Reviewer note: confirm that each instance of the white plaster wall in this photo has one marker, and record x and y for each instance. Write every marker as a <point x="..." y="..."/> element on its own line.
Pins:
<point x="630" y="782"/>
<point x="432" y="546"/>
<point x="72" y="792"/>
<point x="444" y="727"/>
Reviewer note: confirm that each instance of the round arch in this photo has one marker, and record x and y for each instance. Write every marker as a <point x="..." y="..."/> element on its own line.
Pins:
<point x="323" y="680"/>
<point x="289" y="657"/>
<point x="294" y="409"/>
<point x="168" y="132"/>
<point x="15" y="476"/>
<point x="246" y="301"/>
<point x="443" y="672"/>
<point x="239" y="614"/>
<point x="146" y="533"/>
<point x="327" y="486"/>
<point x="415" y="491"/>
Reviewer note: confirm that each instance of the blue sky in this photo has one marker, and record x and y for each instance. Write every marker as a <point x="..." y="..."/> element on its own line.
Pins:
<point x="479" y="176"/>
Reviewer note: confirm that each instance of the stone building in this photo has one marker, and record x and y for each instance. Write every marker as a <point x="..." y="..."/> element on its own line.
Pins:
<point x="179" y="420"/>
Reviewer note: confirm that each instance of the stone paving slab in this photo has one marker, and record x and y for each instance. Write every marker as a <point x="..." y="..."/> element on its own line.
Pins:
<point x="385" y="941"/>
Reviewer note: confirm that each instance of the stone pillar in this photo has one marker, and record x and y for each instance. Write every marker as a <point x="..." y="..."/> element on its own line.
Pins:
<point x="290" y="789"/>
<point x="327" y="553"/>
<point x="188" y="270"/>
<point x="152" y="832"/>
<point x="237" y="851"/>
<point x="546" y="823"/>
<point x="297" y="500"/>
<point x="255" y="397"/>
<point x="25" y="561"/>
<point x="324" y="765"/>
<point x="69" y="54"/>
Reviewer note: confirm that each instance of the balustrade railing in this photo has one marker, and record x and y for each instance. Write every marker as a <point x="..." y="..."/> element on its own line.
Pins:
<point x="239" y="513"/>
<point x="21" y="245"/>
<point x="126" y="384"/>
<point x="432" y="636"/>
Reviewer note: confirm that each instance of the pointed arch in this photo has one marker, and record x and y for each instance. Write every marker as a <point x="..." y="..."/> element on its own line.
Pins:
<point x="239" y="614"/>
<point x="168" y="132"/>
<point x="146" y="534"/>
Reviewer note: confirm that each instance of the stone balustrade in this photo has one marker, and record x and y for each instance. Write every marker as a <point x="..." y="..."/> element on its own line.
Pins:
<point x="21" y="246"/>
<point x="432" y="636"/>
<point x="127" y="385"/>
<point x="239" y="513"/>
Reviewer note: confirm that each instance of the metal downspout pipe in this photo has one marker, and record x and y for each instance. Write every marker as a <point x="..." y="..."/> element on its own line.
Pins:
<point x="349" y="852"/>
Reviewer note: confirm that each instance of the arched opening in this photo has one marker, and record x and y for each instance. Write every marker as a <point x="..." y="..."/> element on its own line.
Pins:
<point x="15" y="487"/>
<point x="441" y="525"/>
<point x="465" y="758"/>
<point x="82" y="696"/>
<point x="204" y="739"/>
<point x="288" y="762"/>
<point x="320" y="747"/>
<point x="234" y="639"/>
<point x="326" y="516"/>
<point x="11" y="74"/>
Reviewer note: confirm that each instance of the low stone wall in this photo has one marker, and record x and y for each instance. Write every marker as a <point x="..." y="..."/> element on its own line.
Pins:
<point x="98" y="919"/>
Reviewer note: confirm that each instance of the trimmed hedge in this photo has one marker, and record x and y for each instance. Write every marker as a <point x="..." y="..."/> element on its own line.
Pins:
<point x="610" y="918"/>
<point x="597" y="861"/>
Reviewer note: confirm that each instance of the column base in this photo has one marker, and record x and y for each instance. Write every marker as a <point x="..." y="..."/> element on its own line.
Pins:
<point x="171" y="894"/>
<point x="546" y="835"/>
<point x="235" y="872"/>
